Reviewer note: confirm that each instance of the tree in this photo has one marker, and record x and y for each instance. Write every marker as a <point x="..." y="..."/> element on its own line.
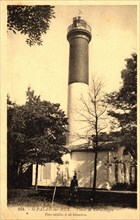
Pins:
<point x="30" y="20"/>
<point x="96" y="118"/>
<point x="124" y="104"/>
<point x="36" y="133"/>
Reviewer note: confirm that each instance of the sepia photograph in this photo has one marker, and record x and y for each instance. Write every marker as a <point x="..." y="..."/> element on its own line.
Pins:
<point x="69" y="119"/>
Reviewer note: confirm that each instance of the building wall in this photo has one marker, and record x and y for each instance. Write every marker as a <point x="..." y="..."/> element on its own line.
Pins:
<point x="52" y="174"/>
<point x="102" y="170"/>
<point x="46" y="174"/>
<point x="82" y="162"/>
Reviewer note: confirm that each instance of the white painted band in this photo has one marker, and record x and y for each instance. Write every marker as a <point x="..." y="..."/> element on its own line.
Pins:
<point x="77" y="113"/>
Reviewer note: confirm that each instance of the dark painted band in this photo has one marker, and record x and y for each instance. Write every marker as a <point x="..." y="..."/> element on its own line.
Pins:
<point x="78" y="61"/>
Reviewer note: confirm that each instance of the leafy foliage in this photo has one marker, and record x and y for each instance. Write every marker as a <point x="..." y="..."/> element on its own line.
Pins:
<point x="124" y="186"/>
<point x="30" y="20"/>
<point x="124" y="103"/>
<point x="36" y="132"/>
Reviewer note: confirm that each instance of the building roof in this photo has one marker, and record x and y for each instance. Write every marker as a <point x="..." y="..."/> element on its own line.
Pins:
<point x="102" y="146"/>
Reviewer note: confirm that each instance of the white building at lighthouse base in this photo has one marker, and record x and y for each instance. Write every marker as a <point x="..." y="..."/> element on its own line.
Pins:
<point x="81" y="160"/>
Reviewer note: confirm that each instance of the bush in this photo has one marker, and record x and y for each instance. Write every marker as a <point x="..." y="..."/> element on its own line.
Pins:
<point x="124" y="186"/>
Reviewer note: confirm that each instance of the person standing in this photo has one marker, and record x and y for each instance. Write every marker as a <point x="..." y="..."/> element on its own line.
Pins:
<point x="73" y="188"/>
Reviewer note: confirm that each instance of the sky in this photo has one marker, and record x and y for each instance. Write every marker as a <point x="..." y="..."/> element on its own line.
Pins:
<point x="45" y="68"/>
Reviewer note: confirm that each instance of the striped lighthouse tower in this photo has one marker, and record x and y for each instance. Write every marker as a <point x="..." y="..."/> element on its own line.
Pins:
<point x="79" y="36"/>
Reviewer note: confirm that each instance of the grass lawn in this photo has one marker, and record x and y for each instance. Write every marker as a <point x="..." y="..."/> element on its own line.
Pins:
<point x="43" y="198"/>
<point x="30" y="204"/>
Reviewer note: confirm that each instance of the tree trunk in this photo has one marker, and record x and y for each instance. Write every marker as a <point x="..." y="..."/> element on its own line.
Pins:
<point x="19" y="176"/>
<point x="116" y="172"/>
<point x="124" y="167"/>
<point x="135" y="177"/>
<point x="96" y="151"/>
<point x="36" y="176"/>
<point x="95" y="171"/>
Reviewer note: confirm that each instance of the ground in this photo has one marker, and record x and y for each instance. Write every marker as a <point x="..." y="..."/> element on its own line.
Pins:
<point x="84" y="198"/>
<point x="31" y="204"/>
<point x="47" y="210"/>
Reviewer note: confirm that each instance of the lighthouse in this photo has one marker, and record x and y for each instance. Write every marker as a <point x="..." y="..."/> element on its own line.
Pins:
<point x="81" y="156"/>
<point x="78" y="36"/>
